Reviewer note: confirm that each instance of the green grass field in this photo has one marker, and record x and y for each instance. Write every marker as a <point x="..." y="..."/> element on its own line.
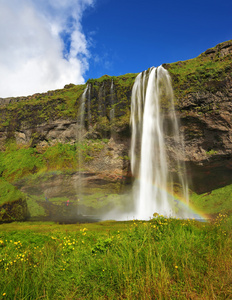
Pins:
<point x="158" y="259"/>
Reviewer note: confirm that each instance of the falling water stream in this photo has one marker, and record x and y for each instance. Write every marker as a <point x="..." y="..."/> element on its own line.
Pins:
<point x="89" y="106"/>
<point x="154" y="122"/>
<point x="112" y="111"/>
<point x="80" y="136"/>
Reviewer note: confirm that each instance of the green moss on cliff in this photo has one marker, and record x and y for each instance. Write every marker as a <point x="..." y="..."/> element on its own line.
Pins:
<point x="34" y="208"/>
<point x="40" y="108"/>
<point x="110" y="95"/>
<point x="205" y="73"/>
<point x="19" y="161"/>
<point x="8" y="192"/>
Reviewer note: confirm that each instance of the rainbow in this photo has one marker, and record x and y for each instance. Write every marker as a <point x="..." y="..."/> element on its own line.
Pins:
<point x="196" y="213"/>
<point x="182" y="203"/>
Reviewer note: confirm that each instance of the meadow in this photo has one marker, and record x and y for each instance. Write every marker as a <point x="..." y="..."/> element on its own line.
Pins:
<point x="157" y="259"/>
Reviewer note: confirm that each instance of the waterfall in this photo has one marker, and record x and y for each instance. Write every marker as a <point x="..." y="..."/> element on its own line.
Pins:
<point x="157" y="151"/>
<point x="80" y="136"/>
<point x="81" y="115"/>
<point x="112" y="111"/>
<point x="89" y="106"/>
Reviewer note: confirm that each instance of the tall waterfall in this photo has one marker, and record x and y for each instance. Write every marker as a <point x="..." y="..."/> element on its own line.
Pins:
<point x="80" y="136"/>
<point x="157" y="151"/>
<point x="112" y="111"/>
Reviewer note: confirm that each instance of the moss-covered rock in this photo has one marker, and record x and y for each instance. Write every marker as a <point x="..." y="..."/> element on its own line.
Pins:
<point x="14" y="211"/>
<point x="13" y="205"/>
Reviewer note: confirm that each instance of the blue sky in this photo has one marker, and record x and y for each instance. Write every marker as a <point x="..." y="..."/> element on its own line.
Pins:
<point x="131" y="36"/>
<point x="45" y="44"/>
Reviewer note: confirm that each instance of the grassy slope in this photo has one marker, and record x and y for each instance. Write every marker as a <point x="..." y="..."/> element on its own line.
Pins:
<point x="20" y="161"/>
<point x="9" y="193"/>
<point x="215" y="202"/>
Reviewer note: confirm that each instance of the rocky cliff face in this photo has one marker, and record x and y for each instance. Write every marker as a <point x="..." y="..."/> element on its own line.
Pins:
<point x="205" y="107"/>
<point x="203" y="92"/>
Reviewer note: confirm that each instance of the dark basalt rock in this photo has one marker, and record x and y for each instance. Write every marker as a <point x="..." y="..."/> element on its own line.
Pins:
<point x="14" y="211"/>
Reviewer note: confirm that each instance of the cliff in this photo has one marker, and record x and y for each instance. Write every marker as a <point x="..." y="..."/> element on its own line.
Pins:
<point x="203" y="88"/>
<point x="43" y="129"/>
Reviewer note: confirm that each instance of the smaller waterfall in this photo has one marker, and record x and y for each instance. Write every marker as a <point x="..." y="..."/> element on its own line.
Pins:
<point x="81" y="115"/>
<point x="154" y="129"/>
<point x="86" y="96"/>
<point x="112" y="111"/>
<point x="89" y="106"/>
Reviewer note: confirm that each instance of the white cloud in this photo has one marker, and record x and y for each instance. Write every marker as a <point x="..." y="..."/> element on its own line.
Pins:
<point x="31" y="47"/>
